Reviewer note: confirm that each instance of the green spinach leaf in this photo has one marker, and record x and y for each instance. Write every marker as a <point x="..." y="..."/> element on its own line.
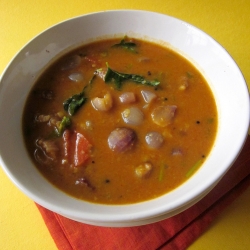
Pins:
<point x="65" y="122"/>
<point x="119" y="77"/>
<point x="72" y="104"/>
<point x="126" y="45"/>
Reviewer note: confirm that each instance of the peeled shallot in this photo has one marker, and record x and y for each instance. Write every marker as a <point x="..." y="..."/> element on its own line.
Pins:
<point x="133" y="116"/>
<point x="163" y="115"/>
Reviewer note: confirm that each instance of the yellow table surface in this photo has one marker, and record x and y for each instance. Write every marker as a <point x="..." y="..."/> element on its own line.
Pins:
<point x="228" y="21"/>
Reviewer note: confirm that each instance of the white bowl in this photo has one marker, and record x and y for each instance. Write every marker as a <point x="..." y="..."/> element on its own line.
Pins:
<point x="220" y="70"/>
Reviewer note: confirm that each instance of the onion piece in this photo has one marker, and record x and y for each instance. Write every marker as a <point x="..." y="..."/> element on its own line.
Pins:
<point x="144" y="170"/>
<point x="121" y="139"/>
<point x="76" y="77"/>
<point x="154" y="139"/>
<point x="127" y="97"/>
<point x="177" y="152"/>
<point x="163" y="115"/>
<point x="148" y="96"/>
<point x="102" y="104"/>
<point x="132" y="116"/>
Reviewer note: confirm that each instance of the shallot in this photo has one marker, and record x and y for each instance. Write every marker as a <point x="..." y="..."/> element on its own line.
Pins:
<point x="102" y="104"/>
<point x="148" y="96"/>
<point x="76" y="77"/>
<point x="163" y="115"/>
<point x="133" y="116"/>
<point x="121" y="139"/>
<point x="154" y="139"/>
<point x="127" y="97"/>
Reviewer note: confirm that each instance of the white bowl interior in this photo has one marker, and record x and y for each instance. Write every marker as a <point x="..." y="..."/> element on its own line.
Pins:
<point x="222" y="73"/>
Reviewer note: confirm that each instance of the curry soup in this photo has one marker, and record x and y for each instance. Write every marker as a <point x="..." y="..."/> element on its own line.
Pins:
<point x="120" y="121"/>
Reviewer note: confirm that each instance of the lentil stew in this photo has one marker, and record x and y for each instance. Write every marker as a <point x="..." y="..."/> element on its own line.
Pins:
<point x="120" y="121"/>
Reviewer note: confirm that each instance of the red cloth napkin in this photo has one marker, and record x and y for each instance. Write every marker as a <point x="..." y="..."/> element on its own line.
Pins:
<point x="177" y="232"/>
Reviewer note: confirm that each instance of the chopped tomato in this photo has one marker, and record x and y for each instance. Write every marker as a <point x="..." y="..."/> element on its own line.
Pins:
<point x="76" y="148"/>
<point x="82" y="148"/>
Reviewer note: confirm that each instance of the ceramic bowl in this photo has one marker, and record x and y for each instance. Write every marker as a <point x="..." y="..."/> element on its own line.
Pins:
<point x="217" y="66"/>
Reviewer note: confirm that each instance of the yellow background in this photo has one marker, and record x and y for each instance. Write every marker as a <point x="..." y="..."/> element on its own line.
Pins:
<point x="228" y="21"/>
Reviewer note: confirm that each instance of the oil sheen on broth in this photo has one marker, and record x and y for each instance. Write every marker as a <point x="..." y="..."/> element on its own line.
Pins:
<point x="119" y="121"/>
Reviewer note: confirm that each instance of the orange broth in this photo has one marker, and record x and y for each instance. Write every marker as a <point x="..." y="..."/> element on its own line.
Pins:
<point x="106" y="175"/>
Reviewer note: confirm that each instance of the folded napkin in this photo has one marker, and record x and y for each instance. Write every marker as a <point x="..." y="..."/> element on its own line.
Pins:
<point x="177" y="232"/>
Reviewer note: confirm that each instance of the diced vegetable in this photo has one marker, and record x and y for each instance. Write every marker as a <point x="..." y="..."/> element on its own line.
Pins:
<point x="133" y="116"/>
<point x="121" y="139"/>
<point x="154" y="139"/>
<point x="82" y="148"/>
<point x="144" y="170"/>
<point x="102" y="104"/>
<point x="127" y="97"/>
<point x="163" y="115"/>
<point x="148" y="96"/>
<point x="76" y="77"/>
<point x="77" y="148"/>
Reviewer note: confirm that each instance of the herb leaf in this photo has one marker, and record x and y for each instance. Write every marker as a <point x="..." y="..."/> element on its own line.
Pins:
<point x="162" y="170"/>
<point x="118" y="78"/>
<point x="194" y="168"/>
<point x="65" y="122"/>
<point x="72" y="104"/>
<point x="126" y="45"/>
